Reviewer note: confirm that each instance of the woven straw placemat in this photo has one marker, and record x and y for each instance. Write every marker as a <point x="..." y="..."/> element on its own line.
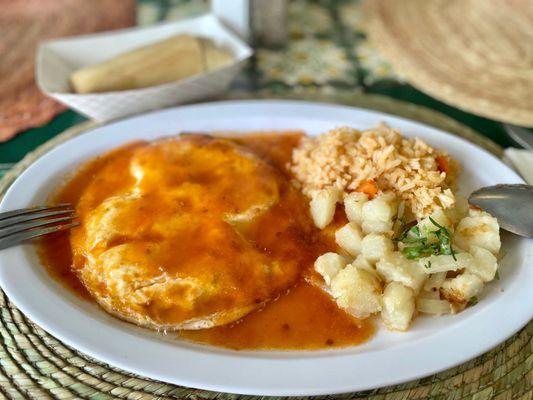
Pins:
<point x="473" y="54"/>
<point x="33" y="364"/>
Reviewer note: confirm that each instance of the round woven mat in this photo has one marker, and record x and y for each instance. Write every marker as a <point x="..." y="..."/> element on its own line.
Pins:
<point x="473" y="54"/>
<point x="33" y="364"/>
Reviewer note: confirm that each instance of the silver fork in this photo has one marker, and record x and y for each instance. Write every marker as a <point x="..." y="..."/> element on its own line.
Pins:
<point x="28" y="223"/>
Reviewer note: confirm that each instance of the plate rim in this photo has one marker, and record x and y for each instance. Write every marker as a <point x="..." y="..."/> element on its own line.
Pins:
<point x="243" y="389"/>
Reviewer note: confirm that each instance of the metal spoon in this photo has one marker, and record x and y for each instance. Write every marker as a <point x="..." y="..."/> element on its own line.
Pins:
<point x="512" y="205"/>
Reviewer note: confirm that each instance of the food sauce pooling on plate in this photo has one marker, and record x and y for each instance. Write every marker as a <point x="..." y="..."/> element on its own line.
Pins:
<point x="301" y="318"/>
<point x="305" y="318"/>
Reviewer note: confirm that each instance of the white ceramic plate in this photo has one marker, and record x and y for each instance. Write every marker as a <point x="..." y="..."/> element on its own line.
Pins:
<point x="432" y="345"/>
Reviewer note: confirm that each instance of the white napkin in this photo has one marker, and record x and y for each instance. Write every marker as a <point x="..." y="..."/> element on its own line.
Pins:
<point x="522" y="161"/>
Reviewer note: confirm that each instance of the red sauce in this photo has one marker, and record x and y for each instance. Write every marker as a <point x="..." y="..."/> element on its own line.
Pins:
<point x="302" y="318"/>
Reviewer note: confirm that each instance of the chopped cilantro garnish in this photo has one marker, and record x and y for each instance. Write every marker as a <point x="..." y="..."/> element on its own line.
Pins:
<point x="418" y="245"/>
<point x="472" y="301"/>
<point x="445" y="239"/>
<point x="408" y="228"/>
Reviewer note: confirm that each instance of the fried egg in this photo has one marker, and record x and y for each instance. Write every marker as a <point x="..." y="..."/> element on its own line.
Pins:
<point x="192" y="233"/>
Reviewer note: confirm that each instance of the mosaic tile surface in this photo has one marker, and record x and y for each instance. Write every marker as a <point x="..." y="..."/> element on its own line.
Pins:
<point x="326" y="48"/>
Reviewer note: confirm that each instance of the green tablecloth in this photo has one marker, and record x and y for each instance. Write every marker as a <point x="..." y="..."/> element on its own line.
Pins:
<point x="327" y="53"/>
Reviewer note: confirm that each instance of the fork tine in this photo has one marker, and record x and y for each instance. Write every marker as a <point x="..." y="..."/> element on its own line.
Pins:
<point x="33" y="224"/>
<point x="16" y="238"/>
<point x="30" y="210"/>
<point x="24" y="217"/>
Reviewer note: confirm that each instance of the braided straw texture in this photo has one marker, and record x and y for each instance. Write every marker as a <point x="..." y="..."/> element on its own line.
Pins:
<point x="35" y="365"/>
<point x="473" y="54"/>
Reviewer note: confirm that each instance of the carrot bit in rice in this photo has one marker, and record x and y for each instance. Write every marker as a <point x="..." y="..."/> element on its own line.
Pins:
<point x="368" y="187"/>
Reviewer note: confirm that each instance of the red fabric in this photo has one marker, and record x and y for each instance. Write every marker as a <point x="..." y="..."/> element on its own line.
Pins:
<point x="23" y="24"/>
